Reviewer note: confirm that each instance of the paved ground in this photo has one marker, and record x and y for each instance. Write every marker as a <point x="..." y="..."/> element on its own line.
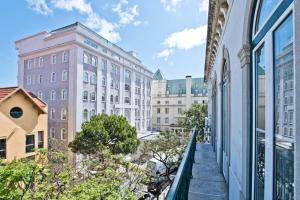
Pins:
<point x="207" y="182"/>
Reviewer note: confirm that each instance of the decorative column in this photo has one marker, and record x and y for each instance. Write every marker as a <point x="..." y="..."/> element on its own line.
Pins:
<point x="245" y="60"/>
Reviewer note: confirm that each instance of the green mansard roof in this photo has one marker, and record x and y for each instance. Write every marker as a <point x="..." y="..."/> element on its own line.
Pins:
<point x="158" y="75"/>
<point x="178" y="86"/>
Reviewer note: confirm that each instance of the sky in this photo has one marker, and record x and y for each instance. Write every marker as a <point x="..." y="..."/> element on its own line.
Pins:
<point x="165" y="34"/>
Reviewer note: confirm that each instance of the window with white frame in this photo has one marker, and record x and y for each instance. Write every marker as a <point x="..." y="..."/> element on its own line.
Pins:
<point x="85" y="58"/>
<point x="53" y="77"/>
<point x="64" y="94"/>
<point x="52" y="113"/>
<point x="63" y="114"/>
<point x="93" y="79"/>
<point x="28" y="80"/>
<point x="63" y="134"/>
<point x="41" y="60"/>
<point x="64" y="76"/>
<point x="117" y="99"/>
<point x="111" y="98"/>
<point x="166" y="120"/>
<point x="85" y="95"/>
<point x="65" y="56"/>
<point x="104" y="64"/>
<point x="40" y="78"/>
<point x="52" y="95"/>
<point x="52" y="132"/>
<point x="94" y="61"/>
<point x="93" y="96"/>
<point x="273" y="60"/>
<point x="86" y="77"/>
<point x="53" y="59"/>
<point x="112" y="84"/>
<point x="127" y="100"/>
<point x="85" y="115"/>
<point x="103" y="81"/>
<point x="92" y="113"/>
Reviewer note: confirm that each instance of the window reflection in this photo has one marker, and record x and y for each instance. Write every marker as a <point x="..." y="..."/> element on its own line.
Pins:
<point x="265" y="8"/>
<point x="284" y="110"/>
<point x="260" y="122"/>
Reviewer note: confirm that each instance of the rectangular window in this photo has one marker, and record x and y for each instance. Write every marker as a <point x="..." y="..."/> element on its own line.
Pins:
<point x="41" y="60"/>
<point x="3" y="148"/>
<point x="29" y="143"/>
<point x="53" y="77"/>
<point x="158" y="110"/>
<point x="41" y="139"/>
<point x="158" y="120"/>
<point x="85" y="58"/>
<point x="65" y="57"/>
<point x="40" y="79"/>
<point x="166" y="120"/>
<point x="180" y="111"/>
<point x="167" y="110"/>
<point x="260" y="122"/>
<point x="94" y="61"/>
<point x="53" y="59"/>
<point x="284" y="139"/>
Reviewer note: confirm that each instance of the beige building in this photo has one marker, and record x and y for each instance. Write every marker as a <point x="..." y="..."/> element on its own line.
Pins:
<point x="23" y="123"/>
<point x="170" y="98"/>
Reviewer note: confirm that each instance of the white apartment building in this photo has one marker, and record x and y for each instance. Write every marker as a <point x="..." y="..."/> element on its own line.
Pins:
<point x="253" y="77"/>
<point x="80" y="74"/>
<point x="170" y="98"/>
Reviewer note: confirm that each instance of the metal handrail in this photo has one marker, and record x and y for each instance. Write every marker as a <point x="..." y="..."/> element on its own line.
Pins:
<point x="180" y="187"/>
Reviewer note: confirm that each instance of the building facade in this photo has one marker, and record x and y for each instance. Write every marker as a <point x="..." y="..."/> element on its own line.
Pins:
<point x="23" y="123"/>
<point x="171" y="98"/>
<point x="80" y="74"/>
<point x="253" y="77"/>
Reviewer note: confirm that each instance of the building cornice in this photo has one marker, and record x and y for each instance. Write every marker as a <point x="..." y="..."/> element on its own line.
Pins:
<point x="218" y="10"/>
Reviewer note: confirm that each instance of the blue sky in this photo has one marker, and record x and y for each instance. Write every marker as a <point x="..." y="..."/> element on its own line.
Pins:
<point x="166" y="34"/>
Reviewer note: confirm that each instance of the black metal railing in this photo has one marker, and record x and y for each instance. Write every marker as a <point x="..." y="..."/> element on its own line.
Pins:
<point x="180" y="187"/>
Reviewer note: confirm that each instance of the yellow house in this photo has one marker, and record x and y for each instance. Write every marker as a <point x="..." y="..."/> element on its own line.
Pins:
<point x="23" y="123"/>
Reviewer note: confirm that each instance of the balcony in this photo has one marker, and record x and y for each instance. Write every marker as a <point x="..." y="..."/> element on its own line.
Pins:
<point x="198" y="176"/>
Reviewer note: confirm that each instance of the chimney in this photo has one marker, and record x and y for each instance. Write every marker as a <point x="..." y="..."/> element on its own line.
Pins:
<point x="188" y="85"/>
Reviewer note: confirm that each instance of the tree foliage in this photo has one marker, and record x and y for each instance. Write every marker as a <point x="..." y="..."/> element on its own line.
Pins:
<point x="167" y="148"/>
<point x="194" y="117"/>
<point x="105" y="132"/>
<point x="44" y="179"/>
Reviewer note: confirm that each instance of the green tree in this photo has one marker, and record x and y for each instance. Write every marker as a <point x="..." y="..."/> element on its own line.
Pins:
<point x="194" y="117"/>
<point x="44" y="179"/>
<point x="105" y="132"/>
<point x="167" y="148"/>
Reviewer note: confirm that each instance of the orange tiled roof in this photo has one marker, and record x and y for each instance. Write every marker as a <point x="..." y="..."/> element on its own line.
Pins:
<point x="37" y="100"/>
<point x="6" y="91"/>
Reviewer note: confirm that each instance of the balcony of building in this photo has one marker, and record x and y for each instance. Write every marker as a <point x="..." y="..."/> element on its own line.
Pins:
<point x="198" y="176"/>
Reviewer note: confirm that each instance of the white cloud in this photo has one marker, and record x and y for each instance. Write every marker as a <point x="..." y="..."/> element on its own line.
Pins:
<point x="105" y="28"/>
<point x="171" y="5"/>
<point x="126" y="14"/>
<point x="40" y="6"/>
<point x="183" y="40"/>
<point x="165" y="53"/>
<point x="81" y="5"/>
<point x="204" y="6"/>
<point x="187" y="39"/>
